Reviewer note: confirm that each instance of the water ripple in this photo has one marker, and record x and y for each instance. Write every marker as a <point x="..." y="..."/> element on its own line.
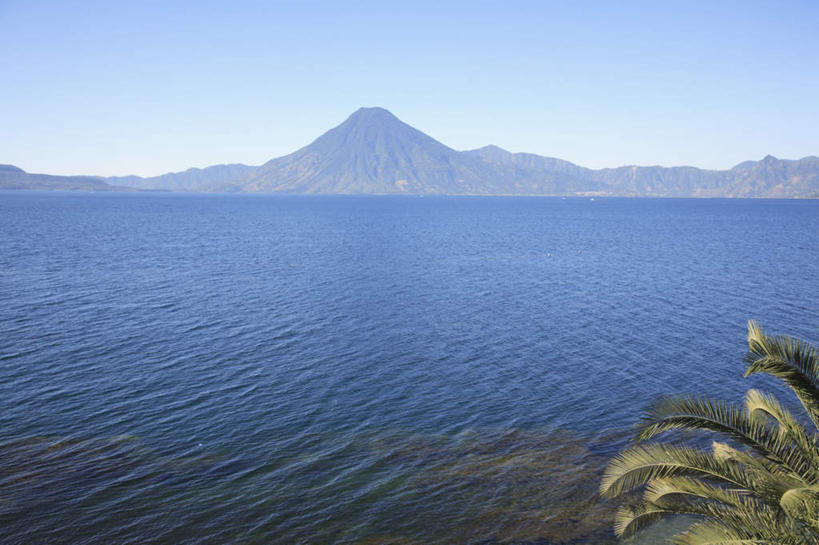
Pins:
<point x="216" y="369"/>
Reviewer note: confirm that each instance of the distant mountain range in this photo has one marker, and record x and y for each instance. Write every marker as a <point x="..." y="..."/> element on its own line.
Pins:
<point x="373" y="152"/>
<point x="12" y="177"/>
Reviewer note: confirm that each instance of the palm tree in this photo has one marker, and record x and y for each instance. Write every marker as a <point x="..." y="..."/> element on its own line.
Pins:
<point x="760" y="485"/>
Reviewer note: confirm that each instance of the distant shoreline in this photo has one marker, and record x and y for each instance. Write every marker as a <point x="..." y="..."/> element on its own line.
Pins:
<point x="131" y="191"/>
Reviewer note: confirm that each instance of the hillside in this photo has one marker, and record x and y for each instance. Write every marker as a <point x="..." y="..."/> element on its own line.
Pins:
<point x="12" y="177"/>
<point x="374" y="152"/>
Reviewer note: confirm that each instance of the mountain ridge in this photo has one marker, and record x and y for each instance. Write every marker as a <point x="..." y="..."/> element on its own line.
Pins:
<point x="374" y="152"/>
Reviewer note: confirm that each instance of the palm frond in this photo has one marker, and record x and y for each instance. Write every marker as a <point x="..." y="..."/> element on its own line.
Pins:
<point x="630" y="519"/>
<point x="793" y="361"/>
<point x="735" y="508"/>
<point x="691" y="413"/>
<point x="762" y="407"/>
<point x="638" y="465"/>
<point x="745" y="520"/>
<point x="714" y="533"/>
<point x="769" y="480"/>
<point x="659" y="491"/>
<point x="761" y="489"/>
<point x="802" y="504"/>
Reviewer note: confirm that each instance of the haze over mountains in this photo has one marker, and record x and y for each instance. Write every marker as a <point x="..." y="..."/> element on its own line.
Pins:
<point x="373" y="152"/>
<point x="12" y="177"/>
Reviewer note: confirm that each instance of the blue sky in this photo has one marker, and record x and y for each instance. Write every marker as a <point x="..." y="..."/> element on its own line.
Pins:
<point x="149" y="87"/>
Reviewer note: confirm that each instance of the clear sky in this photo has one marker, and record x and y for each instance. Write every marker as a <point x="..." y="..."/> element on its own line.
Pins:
<point x="145" y="87"/>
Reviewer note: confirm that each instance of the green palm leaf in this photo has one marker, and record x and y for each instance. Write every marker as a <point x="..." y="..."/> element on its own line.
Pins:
<point x="802" y="504"/>
<point x="793" y="361"/>
<point x="661" y="491"/>
<point x="631" y="519"/>
<point x="639" y="465"/>
<point x="715" y="533"/>
<point x="763" y="489"/>
<point x="762" y="407"/>
<point x="701" y="414"/>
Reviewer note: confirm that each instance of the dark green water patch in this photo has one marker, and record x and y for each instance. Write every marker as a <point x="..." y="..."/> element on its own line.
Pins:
<point x="499" y="486"/>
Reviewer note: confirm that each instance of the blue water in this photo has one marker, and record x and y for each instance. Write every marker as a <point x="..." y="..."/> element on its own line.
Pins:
<point x="254" y="369"/>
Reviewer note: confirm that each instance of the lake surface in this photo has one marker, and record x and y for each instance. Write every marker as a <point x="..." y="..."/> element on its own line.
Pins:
<point x="268" y="369"/>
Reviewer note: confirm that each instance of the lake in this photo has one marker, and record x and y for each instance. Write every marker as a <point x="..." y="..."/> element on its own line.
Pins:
<point x="286" y="369"/>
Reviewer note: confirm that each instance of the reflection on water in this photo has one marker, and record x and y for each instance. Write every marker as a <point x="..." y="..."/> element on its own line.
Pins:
<point x="482" y="486"/>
